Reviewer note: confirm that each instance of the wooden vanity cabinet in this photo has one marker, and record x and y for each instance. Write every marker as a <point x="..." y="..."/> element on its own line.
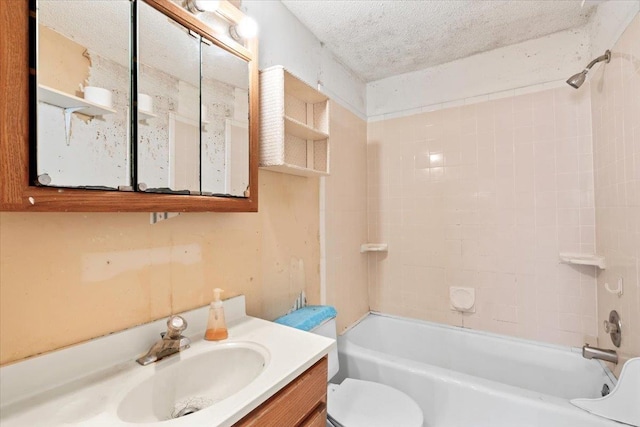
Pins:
<point x="302" y="403"/>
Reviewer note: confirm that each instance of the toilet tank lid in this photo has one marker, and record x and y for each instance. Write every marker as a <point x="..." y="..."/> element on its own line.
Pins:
<point x="309" y="317"/>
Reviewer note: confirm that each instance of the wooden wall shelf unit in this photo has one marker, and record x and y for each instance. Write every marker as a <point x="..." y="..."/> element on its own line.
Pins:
<point x="301" y="403"/>
<point x="18" y="83"/>
<point x="294" y="125"/>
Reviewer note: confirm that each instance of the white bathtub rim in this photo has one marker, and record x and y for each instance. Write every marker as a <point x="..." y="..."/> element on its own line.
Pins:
<point x="356" y="323"/>
<point x="449" y="375"/>
<point x="483" y="385"/>
<point x="461" y="329"/>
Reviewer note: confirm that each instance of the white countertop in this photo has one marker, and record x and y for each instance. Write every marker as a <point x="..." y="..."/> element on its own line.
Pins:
<point x="93" y="399"/>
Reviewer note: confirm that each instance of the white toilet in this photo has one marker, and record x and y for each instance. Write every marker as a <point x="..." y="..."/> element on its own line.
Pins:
<point x="357" y="403"/>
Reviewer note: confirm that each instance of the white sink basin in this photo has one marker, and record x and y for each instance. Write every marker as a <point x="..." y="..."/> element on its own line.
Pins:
<point x="181" y="386"/>
<point x="99" y="384"/>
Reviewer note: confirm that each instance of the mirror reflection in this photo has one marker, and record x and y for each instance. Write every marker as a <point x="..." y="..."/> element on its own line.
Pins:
<point x="83" y="93"/>
<point x="192" y="127"/>
<point x="225" y="122"/>
<point x="168" y="106"/>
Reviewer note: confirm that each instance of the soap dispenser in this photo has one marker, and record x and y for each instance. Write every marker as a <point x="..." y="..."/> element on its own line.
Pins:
<point x="216" y="326"/>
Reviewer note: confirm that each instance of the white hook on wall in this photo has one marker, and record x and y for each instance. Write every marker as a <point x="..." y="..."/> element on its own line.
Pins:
<point x="618" y="289"/>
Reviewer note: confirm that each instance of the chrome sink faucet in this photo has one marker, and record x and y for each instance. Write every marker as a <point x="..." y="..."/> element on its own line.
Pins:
<point x="172" y="342"/>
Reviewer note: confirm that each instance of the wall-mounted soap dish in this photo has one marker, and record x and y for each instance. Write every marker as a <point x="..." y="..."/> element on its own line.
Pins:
<point x="374" y="247"/>
<point x="583" y="259"/>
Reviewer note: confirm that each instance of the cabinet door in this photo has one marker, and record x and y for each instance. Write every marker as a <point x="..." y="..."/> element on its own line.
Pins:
<point x="294" y="404"/>
<point x="83" y="95"/>
<point x="168" y="155"/>
<point x="225" y="122"/>
<point x="317" y="418"/>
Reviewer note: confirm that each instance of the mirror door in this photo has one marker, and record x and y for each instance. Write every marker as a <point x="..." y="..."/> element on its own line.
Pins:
<point x="168" y="154"/>
<point x="83" y="94"/>
<point x="225" y="119"/>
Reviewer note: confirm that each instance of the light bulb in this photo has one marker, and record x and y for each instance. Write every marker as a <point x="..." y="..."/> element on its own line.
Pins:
<point x="247" y="28"/>
<point x="207" y="5"/>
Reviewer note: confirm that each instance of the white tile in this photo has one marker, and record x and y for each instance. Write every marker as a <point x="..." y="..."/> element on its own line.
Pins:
<point x="492" y="212"/>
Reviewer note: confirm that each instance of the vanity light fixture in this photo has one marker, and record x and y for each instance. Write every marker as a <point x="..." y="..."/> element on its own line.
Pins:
<point x="247" y="28"/>
<point x="198" y="6"/>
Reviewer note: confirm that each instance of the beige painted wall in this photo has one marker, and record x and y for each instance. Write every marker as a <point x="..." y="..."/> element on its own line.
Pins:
<point x="615" y="92"/>
<point x="345" y="213"/>
<point x="67" y="277"/>
<point x="485" y="196"/>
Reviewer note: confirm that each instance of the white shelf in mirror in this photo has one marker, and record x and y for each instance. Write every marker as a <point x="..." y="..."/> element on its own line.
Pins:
<point x="583" y="259"/>
<point x="60" y="99"/>
<point x="374" y="247"/>
<point x="145" y="115"/>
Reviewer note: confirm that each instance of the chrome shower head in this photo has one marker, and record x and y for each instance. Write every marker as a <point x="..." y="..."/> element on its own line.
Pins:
<point x="577" y="80"/>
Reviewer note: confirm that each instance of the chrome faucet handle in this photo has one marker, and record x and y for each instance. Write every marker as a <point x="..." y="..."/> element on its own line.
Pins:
<point x="175" y="325"/>
<point x="172" y="342"/>
<point x="610" y="328"/>
<point x="613" y="327"/>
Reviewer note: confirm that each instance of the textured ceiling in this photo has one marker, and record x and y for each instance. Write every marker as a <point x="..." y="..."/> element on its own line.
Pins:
<point x="378" y="39"/>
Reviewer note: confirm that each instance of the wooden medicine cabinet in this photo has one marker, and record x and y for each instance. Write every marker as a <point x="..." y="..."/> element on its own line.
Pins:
<point x="175" y="130"/>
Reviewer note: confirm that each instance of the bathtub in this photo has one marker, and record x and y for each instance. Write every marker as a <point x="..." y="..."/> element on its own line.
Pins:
<point x="465" y="378"/>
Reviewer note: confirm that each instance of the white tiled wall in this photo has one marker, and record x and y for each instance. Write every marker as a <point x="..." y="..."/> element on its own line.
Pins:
<point x="486" y="195"/>
<point x="615" y="93"/>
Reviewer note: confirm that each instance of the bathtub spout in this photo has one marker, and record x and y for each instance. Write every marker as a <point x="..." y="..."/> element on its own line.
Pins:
<point x="598" y="353"/>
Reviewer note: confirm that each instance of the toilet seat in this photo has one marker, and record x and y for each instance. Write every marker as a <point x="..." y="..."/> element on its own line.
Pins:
<point x="357" y="403"/>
